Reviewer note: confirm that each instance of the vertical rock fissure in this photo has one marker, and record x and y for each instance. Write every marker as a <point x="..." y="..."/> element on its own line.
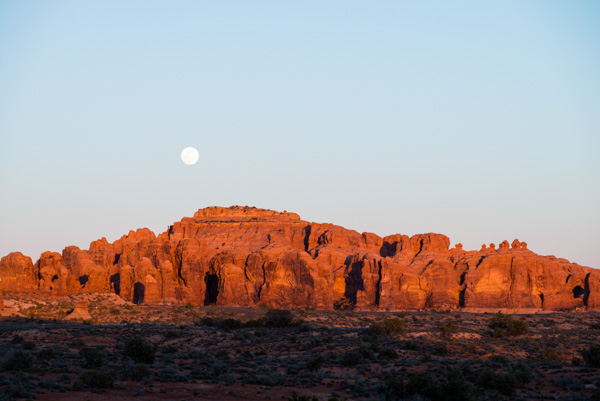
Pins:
<point x="307" y="231"/>
<point x="378" y="285"/>
<point x="512" y="282"/>
<point x="263" y="282"/>
<point x="586" y="289"/>
<point x="179" y="271"/>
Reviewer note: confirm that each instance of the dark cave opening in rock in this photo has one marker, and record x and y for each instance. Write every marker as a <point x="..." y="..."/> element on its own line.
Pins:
<point x="139" y="290"/>
<point x="461" y="298"/>
<point x="212" y="288"/>
<point x="115" y="283"/>
<point x="578" y="291"/>
<point x="83" y="280"/>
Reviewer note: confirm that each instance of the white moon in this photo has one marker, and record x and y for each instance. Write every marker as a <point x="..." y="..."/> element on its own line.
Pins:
<point x="189" y="156"/>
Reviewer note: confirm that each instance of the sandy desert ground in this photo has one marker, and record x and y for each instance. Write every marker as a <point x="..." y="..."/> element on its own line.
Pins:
<point x="221" y="353"/>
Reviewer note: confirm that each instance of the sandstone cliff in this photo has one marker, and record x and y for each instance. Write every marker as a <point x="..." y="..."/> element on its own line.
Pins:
<point x="244" y="256"/>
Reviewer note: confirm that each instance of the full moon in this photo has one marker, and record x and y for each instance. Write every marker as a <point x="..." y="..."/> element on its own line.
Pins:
<point x="189" y="156"/>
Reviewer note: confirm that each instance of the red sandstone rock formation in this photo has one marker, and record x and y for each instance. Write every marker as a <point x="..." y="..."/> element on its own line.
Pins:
<point x="247" y="257"/>
<point x="81" y="311"/>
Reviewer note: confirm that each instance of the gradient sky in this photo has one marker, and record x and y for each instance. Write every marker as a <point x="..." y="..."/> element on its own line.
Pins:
<point x="478" y="120"/>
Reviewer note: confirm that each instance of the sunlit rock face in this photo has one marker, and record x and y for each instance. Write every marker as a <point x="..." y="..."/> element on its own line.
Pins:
<point x="242" y="256"/>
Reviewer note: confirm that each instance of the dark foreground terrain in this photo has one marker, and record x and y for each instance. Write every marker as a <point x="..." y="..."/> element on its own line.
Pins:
<point x="187" y="353"/>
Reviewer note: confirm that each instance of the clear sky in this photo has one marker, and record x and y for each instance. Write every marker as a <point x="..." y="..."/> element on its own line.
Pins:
<point x="478" y="120"/>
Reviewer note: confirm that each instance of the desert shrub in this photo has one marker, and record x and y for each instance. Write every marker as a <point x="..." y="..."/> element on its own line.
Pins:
<point x="520" y="371"/>
<point x="447" y="328"/>
<point x="508" y="325"/>
<point x="388" y="326"/>
<point x="550" y="355"/>
<point x="207" y="321"/>
<point x="17" y="340"/>
<point x="135" y="372"/>
<point x="352" y="358"/>
<point x="393" y="389"/>
<point x="18" y="361"/>
<point x="411" y="346"/>
<point x="421" y="383"/>
<point x="230" y="324"/>
<point x="170" y="374"/>
<point x="278" y="318"/>
<point x="296" y="397"/>
<point x="93" y="357"/>
<point x="505" y="384"/>
<point x="595" y="326"/>
<point x="591" y="356"/>
<point x="28" y="345"/>
<point x="171" y="334"/>
<point x="499" y="359"/>
<point x="387" y="354"/>
<point x="139" y="350"/>
<point x="95" y="380"/>
<point x="440" y="349"/>
<point x="17" y="390"/>
<point x="169" y="349"/>
<point x="498" y="333"/>
<point x="254" y="323"/>
<point x="46" y="354"/>
<point x="315" y="364"/>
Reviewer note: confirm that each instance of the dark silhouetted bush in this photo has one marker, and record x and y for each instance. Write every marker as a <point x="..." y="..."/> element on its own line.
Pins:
<point x="18" y="361"/>
<point x="499" y="359"/>
<point x="47" y="354"/>
<point x="352" y="358"/>
<point x="93" y="357"/>
<point x="278" y="318"/>
<point x="388" y="326"/>
<point x="393" y="388"/>
<point x="447" y="328"/>
<point x="505" y="384"/>
<point x="508" y="325"/>
<point x="591" y="356"/>
<point x="95" y="380"/>
<point x="28" y="345"/>
<point x="17" y="340"/>
<point x="387" y="354"/>
<point x="230" y="324"/>
<point x="296" y="397"/>
<point x="137" y="372"/>
<point x="139" y="350"/>
<point x="171" y="334"/>
<point x="315" y="364"/>
<point x="440" y="349"/>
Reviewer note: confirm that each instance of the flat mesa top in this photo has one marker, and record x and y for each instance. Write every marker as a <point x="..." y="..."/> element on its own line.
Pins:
<point x="243" y="213"/>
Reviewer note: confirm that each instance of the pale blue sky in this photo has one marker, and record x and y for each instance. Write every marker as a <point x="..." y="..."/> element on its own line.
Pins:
<point x="478" y="120"/>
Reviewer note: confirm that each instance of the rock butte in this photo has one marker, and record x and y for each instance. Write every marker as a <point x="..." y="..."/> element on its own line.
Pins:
<point x="243" y="256"/>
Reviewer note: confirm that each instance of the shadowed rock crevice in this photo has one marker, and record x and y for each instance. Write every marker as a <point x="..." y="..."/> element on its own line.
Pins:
<point x="115" y="283"/>
<point x="378" y="285"/>
<point x="212" y="289"/>
<point x="586" y="290"/>
<point x="461" y="297"/>
<point x="83" y="280"/>
<point x="354" y="282"/>
<point x="307" y="231"/>
<point x="139" y="292"/>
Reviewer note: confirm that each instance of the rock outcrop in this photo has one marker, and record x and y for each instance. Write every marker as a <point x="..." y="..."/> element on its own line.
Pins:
<point x="244" y="256"/>
<point x="79" y="312"/>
